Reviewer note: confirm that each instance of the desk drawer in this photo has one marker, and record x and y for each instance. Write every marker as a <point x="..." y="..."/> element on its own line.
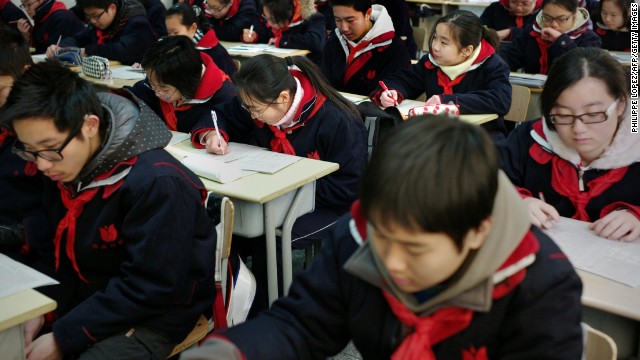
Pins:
<point x="249" y="216"/>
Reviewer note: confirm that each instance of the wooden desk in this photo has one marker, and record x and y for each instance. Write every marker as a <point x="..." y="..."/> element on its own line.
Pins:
<point x="447" y="6"/>
<point x="296" y="180"/>
<point x="14" y="311"/>
<point x="241" y="56"/>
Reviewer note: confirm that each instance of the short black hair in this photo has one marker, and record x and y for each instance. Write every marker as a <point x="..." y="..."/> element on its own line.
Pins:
<point x="98" y="4"/>
<point x="569" y="5"/>
<point x="358" y="5"/>
<point x="51" y="91"/>
<point x="14" y="52"/>
<point x="432" y="174"/>
<point x="281" y="10"/>
<point x="625" y="7"/>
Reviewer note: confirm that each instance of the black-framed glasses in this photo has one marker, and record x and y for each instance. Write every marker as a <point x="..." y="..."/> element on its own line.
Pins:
<point x="95" y="17"/>
<point x="218" y="9"/>
<point x="53" y="155"/>
<point x="558" y="19"/>
<point x="252" y="112"/>
<point x="28" y="5"/>
<point x="587" y="118"/>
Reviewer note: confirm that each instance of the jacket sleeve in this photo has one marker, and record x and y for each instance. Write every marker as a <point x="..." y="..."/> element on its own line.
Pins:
<point x="158" y="232"/>
<point x="310" y="323"/>
<point x="130" y="45"/>
<point x="313" y="38"/>
<point x="234" y="122"/>
<point x="564" y="43"/>
<point x="514" y="53"/>
<point x="492" y="96"/>
<point x="80" y="39"/>
<point x="330" y="55"/>
<point x="514" y="153"/>
<point x="231" y="30"/>
<point x="409" y="82"/>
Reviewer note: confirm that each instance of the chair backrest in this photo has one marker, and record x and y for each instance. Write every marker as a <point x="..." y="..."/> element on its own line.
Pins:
<point x="521" y="95"/>
<point x="597" y="345"/>
<point x="420" y="35"/>
<point x="238" y="63"/>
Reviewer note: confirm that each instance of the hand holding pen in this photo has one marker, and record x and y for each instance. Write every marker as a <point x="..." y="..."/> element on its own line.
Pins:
<point x="541" y="214"/>
<point x="388" y="97"/>
<point x="215" y="144"/>
<point x="247" y="35"/>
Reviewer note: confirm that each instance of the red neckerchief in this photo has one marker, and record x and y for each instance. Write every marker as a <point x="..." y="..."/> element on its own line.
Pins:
<point x="57" y="5"/>
<point x="600" y="31"/>
<point x="446" y="322"/>
<point x="354" y="64"/>
<point x="564" y="177"/>
<point x="211" y="82"/>
<point x="543" y="45"/>
<point x="102" y="36"/>
<point x="209" y="40"/>
<point x="4" y="133"/>
<point x="297" y="17"/>
<point x="3" y="3"/>
<point x="280" y="143"/>
<point x="234" y="9"/>
<point x="447" y="84"/>
<point x="519" y="19"/>
<point x="75" y="207"/>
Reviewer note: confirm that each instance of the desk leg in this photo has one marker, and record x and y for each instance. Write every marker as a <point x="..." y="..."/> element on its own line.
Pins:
<point x="12" y="343"/>
<point x="272" y="264"/>
<point x="292" y="215"/>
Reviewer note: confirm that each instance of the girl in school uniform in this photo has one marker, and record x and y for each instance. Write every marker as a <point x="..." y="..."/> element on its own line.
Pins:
<point x="285" y="105"/>
<point x="558" y="28"/>
<point x="181" y="19"/>
<point x="510" y="17"/>
<point x="462" y="68"/>
<point x="229" y="17"/>
<point x="51" y="20"/>
<point x="581" y="160"/>
<point x="290" y="24"/>
<point x="182" y="84"/>
<point x="613" y="21"/>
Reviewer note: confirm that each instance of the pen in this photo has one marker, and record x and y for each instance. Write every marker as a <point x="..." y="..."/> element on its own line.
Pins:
<point x="215" y="125"/>
<point x="250" y="32"/>
<point x="385" y="88"/>
<point x="58" y="44"/>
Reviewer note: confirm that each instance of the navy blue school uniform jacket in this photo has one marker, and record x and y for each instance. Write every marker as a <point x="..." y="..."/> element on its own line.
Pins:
<point x="498" y="16"/>
<point x="483" y="88"/>
<point x="538" y="162"/>
<point x="51" y="21"/>
<point x="215" y="88"/>
<point x="399" y="13"/>
<point x="239" y="17"/>
<point x="614" y="40"/>
<point x="21" y="185"/>
<point x="357" y="67"/>
<point x="535" y="56"/>
<point x="10" y="13"/>
<point x="321" y="132"/>
<point x="125" y="40"/>
<point x="208" y="43"/>
<point x="129" y="240"/>
<point x="519" y="298"/>
<point x="155" y="14"/>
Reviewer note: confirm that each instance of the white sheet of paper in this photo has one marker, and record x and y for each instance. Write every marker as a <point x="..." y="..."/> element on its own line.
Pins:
<point x="265" y="161"/>
<point x="615" y="260"/>
<point x="126" y="73"/>
<point x="207" y="166"/>
<point x="178" y="137"/>
<point x="17" y="277"/>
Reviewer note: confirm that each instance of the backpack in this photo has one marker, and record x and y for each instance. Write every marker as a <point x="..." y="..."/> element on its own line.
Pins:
<point x="378" y="122"/>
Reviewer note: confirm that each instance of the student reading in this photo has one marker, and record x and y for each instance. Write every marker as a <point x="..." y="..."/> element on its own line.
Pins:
<point x="462" y="68"/>
<point x="51" y="20"/>
<point x="581" y="156"/>
<point x="438" y="260"/>
<point x="123" y="226"/>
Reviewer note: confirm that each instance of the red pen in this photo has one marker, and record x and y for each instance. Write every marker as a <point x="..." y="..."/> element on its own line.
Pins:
<point x="385" y="88"/>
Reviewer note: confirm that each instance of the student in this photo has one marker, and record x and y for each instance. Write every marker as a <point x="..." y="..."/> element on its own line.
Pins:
<point x="51" y="21"/>
<point x="118" y="30"/>
<point x="229" y="17"/>
<point x="558" y="28"/>
<point x="364" y="47"/>
<point x="510" y="17"/>
<point x="181" y="19"/>
<point x="399" y="14"/>
<point x="182" y="84"/>
<point x="20" y="183"/>
<point x="290" y="24"/>
<point x="613" y="21"/>
<point x="155" y="14"/>
<point x="582" y="157"/>
<point x="437" y="260"/>
<point x="462" y="68"/>
<point x="10" y="14"/>
<point x="285" y="105"/>
<point x="126" y="233"/>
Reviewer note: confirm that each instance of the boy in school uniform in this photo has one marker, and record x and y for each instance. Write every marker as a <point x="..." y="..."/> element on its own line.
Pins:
<point x="20" y="183"/>
<point x="364" y="47"/>
<point x="437" y="260"/>
<point x="123" y="226"/>
<point x="10" y="14"/>
<point x="229" y="17"/>
<point x="118" y="30"/>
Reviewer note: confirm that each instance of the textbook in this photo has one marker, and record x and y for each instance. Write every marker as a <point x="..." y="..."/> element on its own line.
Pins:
<point x="528" y="80"/>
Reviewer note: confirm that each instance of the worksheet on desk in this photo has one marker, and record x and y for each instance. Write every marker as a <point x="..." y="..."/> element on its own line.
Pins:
<point x="615" y="260"/>
<point x="17" y="277"/>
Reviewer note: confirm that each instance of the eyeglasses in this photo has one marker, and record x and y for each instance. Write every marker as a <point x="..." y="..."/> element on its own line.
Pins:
<point x="216" y="10"/>
<point x="28" y="5"/>
<point x="588" y="118"/>
<point x="95" y="17"/>
<point x="158" y="90"/>
<point x="53" y="155"/>
<point x="558" y="19"/>
<point x="252" y="113"/>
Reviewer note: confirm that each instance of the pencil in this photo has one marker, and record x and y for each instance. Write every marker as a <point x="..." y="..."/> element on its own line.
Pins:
<point x="215" y="125"/>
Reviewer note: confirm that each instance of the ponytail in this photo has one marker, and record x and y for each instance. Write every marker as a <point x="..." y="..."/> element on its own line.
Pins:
<point x="491" y="36"/>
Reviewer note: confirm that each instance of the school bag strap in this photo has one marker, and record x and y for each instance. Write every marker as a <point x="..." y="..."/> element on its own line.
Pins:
<point x="378" y="121"/>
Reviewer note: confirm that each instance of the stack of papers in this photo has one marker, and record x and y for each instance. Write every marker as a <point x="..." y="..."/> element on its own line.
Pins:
<point x="127" y="73"/>
<point x="258" y="48"/>
<point x="242" y="160"/>
<point x="528" y="80"/>
<point x="17" y="277"/>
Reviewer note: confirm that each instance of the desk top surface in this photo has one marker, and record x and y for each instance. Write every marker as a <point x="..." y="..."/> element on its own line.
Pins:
<point x="261" y="188"/>
<point x="607" y="295"/>
<point x="20" y="307"/>
<point x="454" y="2"/>
<point x="228" y="45"/>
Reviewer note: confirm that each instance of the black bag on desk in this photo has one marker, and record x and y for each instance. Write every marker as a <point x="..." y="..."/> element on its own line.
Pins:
<point x="378" y="122"/>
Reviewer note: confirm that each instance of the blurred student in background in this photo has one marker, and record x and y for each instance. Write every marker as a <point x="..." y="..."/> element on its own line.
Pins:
<point x="613" y="21"/>
<point x="51" y="20"/>
<point x="510" y="17"/>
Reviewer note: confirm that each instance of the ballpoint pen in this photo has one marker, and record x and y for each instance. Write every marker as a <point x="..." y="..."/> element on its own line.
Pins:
<point x="215" y="125"/>
<point x="385" y="88"/>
